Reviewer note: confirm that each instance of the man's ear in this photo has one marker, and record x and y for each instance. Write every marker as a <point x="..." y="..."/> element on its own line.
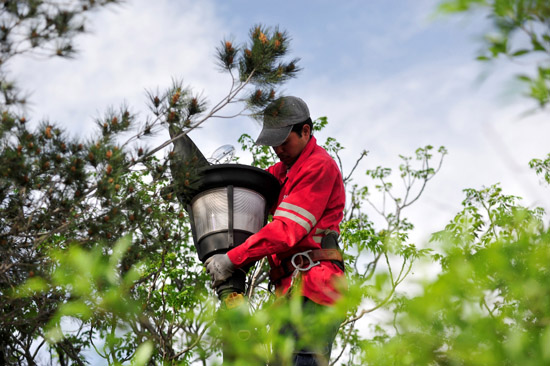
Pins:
<point x="306" y="130"/>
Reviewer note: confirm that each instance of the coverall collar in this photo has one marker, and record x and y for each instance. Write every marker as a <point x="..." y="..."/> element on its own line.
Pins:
<point x="306" y="152"/>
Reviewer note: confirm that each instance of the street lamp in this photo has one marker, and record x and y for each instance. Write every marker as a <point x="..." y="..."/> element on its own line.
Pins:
<point x="232" y="202"/>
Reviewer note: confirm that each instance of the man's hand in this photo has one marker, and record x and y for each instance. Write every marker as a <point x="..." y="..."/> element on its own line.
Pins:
<point x="220" y="268"/>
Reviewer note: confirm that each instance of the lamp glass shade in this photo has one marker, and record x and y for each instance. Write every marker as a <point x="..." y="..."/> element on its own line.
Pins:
<point x="211" y="211"/>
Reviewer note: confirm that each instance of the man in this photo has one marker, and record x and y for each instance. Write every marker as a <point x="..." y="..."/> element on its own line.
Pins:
<point x="301" y="241"/>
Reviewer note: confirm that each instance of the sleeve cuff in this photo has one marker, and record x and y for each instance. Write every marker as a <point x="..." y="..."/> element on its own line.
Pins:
<point x="235" y="257"/>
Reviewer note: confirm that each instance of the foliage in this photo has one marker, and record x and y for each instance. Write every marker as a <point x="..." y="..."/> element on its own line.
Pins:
<point x="542" y="167"/>
<point x="57" y="191"/>
<point x="491" y="304"/>
<point x="520" y="32"/>
<point x="97" y="291"/>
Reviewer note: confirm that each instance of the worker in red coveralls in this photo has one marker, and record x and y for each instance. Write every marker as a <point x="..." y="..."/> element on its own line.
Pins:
<point x="302" y="239"/>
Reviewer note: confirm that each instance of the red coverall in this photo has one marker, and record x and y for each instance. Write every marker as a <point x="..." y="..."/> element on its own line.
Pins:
<point x="312" y="200"/>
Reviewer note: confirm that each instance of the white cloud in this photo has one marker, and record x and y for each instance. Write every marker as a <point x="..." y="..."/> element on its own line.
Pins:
<point x="137" y="46"/>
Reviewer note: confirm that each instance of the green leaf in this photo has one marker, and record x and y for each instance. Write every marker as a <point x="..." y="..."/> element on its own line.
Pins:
<point x="520" y="53"/>
<point x="458" y="6"/>
<point x="31" y="286"/>
<point x="54" y="334"/>
<point x="120" y="248"/>
<point x="77" y="309"/>
<point x="537" y="46"/>
<point x="483" y="58"/>
<point x="545" y="344"/>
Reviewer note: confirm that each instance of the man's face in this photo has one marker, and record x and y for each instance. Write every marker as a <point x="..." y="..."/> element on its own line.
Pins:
<point x="289" y="151"/>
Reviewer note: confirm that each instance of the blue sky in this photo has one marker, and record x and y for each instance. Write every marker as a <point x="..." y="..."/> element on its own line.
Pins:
<point x="372" y="37"/>
<point x="388" y="75"/>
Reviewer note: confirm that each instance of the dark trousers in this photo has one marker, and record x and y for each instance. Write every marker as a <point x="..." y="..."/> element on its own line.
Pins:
<point x="317" y="354"/>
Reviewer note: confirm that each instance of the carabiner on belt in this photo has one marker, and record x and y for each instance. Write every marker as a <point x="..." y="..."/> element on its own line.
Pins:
<point x="298" y="267"/>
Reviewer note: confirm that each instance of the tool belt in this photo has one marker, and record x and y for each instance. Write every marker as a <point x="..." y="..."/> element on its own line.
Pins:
<point x="304" y="261"/>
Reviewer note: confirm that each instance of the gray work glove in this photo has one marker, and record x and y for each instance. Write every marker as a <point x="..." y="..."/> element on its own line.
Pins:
<point x="220" y="268"/>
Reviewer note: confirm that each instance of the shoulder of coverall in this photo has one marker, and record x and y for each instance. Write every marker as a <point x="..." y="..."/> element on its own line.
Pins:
<point x="280" y="171"/>
<point x="313" y="156"/>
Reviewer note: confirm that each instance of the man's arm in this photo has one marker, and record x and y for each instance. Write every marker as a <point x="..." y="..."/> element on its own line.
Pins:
<point x="294" y="218"/>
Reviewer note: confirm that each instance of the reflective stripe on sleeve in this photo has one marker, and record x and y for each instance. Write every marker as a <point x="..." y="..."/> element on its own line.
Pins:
<point x="301" y="211"/>
<point x="297" y="219"/>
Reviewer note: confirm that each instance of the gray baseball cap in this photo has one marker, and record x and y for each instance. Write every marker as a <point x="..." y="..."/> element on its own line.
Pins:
<point x="279" y="117"/>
